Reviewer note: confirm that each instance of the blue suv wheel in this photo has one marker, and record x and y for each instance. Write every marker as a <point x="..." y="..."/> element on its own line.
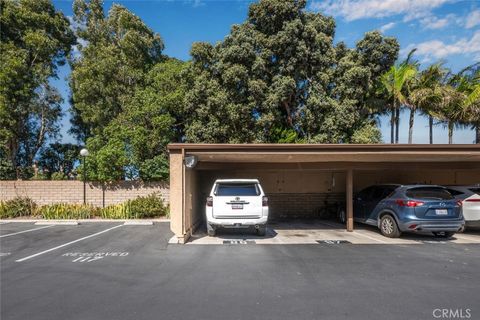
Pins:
<point x="389" y="227"/>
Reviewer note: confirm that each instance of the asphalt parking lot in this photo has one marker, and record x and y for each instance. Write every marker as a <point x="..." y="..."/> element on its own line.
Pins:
<point x="113" y="271"/>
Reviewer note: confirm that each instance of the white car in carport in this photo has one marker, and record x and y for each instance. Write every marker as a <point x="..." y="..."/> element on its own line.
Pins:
<point x="237" y="203"/>
<point x="470" y="197"/>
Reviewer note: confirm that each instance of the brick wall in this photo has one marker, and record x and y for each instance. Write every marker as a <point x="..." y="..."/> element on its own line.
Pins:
<point x="304" y="205"/>
<point x="45" y="192"/>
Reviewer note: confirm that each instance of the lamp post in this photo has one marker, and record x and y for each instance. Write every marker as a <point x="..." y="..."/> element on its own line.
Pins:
<point x="84" y="154"/>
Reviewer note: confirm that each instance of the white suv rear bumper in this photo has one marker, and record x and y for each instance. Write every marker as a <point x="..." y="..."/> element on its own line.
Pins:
<point x="237" y="222"/>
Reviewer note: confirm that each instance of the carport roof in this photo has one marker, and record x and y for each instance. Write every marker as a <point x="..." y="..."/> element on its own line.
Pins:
<point x="338" y="153"/>
<point x="226" y="147"/>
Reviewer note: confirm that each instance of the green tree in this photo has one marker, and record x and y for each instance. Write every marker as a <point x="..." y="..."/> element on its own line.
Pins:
<point x="7" y="172"/>
<point x="115" y="53"/>
<point x="59" y="158"/>
<point x="393" y="84"/>
<point x="126" y="96"/>
<point x="34" y="41"/>
<point x="280" y="71"/>
<point x="427" y="94"/>
<point x="470" y="112"/>
<point x="133" y="145"/>
<point x="460" y="99"/>
<point x="449" y="111"/>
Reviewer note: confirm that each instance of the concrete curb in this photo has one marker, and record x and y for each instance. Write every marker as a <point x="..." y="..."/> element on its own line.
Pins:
<point x="138" y="223"/>
<point x="57" y="223"/>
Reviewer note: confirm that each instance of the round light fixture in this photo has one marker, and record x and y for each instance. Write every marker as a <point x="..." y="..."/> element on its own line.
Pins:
<point x="84" y="152"/>
<point x="191" y="161"/>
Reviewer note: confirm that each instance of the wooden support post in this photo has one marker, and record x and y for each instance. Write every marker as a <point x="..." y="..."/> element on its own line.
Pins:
<point x="349" y="199"/>
<point x="177" y="222"/>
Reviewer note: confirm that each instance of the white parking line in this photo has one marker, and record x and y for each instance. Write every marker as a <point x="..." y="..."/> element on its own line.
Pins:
<point x="12" y="234"/>
<point x="371" y="238"/>
<point x="354" y="232"/>
<point x="333" y="225"/>
<point x="66" y="244"/>
<point x="466" y="238"/>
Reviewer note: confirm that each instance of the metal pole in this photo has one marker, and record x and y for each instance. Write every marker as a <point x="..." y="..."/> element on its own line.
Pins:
<point x="84" y="183"/>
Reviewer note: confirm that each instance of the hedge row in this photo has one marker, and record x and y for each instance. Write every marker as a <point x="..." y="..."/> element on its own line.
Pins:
<point x="142" y="207"/>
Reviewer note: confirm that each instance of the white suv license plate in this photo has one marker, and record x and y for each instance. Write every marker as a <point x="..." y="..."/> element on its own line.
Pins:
<point x="441" y="212"/>
<point x="237" y="206"/>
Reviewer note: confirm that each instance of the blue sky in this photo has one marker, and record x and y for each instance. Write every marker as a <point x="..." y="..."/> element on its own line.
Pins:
<point x="444" y="30"/>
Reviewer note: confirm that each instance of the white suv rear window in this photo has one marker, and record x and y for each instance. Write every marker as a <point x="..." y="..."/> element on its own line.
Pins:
<point x="237" y="189"/>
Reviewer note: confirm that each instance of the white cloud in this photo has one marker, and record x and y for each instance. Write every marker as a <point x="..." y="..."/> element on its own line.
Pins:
<point x="473" y="19"/>
<point x="432" y="22"/>
<point x="74" y="25"/>
<point x="76" y="54"/>
<point x="387" y="26"/>
<point x="438" y="49"/>
<point x="359" y="9"/>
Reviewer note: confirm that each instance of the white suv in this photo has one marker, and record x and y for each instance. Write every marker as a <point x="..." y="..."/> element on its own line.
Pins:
<point x="237" y="203"/>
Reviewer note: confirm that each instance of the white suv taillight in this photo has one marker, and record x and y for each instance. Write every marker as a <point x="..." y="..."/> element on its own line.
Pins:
<point x="264" y="202"/>
<point x="209" y="201"/>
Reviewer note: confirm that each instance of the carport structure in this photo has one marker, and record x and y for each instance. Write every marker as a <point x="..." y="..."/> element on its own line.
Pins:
<point x="308" y="180"/>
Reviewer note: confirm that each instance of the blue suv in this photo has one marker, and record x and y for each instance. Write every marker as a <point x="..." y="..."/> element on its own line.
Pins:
<point x="409" y="208"/>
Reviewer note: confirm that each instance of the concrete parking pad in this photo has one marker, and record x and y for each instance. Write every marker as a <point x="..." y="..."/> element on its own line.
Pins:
<point x="310" y="232"/>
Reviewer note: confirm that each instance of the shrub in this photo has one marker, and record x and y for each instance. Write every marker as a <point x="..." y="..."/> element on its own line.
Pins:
<point x="68" y="211"/>
<point x="17" y="207"/>
<point x="141" y="207"/>
<point x="148" y="207"/>
<point x="58" y="176"/>
<point x="25" y="173"/>
<point x="156" y="169"/>
<point x="117" y="211"/>
<point x="7" y="171"/>
<point x="40" y="176"/>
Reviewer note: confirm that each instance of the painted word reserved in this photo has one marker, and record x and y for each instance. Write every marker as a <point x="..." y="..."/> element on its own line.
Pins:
<point x="92" y="256"/>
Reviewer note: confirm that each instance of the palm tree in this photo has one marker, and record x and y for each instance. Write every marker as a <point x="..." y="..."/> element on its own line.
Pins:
<point x="462" y="99"/>
<point x="410" y="86"/>
<point x="450" y="108"/>
<point x="427" y="95"/>
<point x="472" y="111"/>
<point x="393" y="84"/>
<point x="470" y="85"/>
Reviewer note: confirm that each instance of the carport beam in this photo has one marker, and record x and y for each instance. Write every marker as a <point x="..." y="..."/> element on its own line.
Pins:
<point x="349" y="200"/>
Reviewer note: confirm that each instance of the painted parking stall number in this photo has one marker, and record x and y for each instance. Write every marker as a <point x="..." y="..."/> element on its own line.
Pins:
<point x="333" y="241"/>
<point x="93" y="256"/>
<point x="238" y="241"/>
